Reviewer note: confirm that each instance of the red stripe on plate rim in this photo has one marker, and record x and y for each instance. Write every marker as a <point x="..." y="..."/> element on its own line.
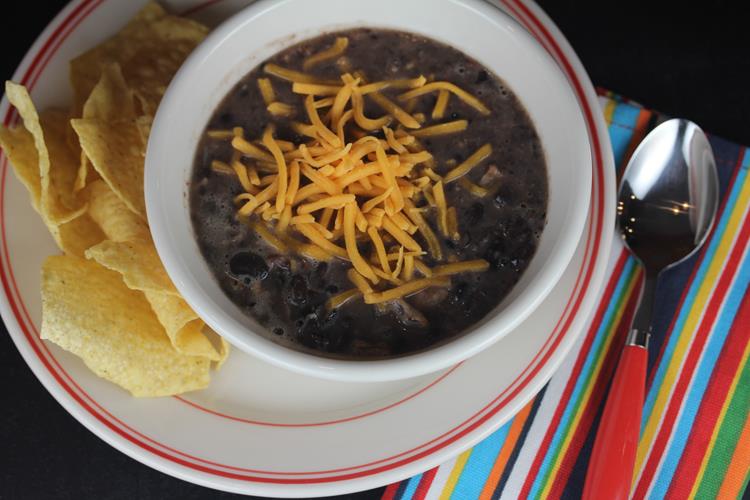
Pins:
<point x="479" y="418"/>
<point x="324" y="423"/>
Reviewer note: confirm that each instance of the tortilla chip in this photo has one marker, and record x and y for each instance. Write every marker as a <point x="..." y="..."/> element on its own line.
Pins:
<point x="58" y="165"/>
<point x="149" y="50"/>
<point x="219" y="344"/>
<point x="115" y="333"/>
<point x="142" y="270"/>
<point x="153" y="65"/>
<point x="138" y="263"/>
<point x="72" y="237"/>
<point x="85" y="70"/>
<point x="76" y="236"/>
<point x="110" y="99"/>
<point x="117" y="154"/>
<point x="18" y="146"/>
<point x="64" y="164"/>
<point x="86" y="172"/>
<point x="113" y="217"/>
<point x="183" y="326"/>
<point x="149" y="13"/>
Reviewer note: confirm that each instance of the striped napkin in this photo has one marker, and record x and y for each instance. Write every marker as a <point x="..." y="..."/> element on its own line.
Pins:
<point x="695" y="436"/>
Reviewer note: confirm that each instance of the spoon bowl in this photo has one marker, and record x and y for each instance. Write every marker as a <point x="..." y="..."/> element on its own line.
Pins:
<point x="668" y="195"/>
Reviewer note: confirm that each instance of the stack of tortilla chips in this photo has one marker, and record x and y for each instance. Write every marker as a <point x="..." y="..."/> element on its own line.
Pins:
<point x="108" y="299"/>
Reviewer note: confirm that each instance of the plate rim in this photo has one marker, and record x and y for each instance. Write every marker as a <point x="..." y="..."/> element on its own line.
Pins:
<point x="528" y="14"/>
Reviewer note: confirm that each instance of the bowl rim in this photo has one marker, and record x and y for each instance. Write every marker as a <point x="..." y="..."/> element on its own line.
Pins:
<point x="407" y="366"/>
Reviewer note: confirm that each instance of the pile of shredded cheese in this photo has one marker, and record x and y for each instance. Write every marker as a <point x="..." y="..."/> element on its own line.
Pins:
<point x="344" y="186"/>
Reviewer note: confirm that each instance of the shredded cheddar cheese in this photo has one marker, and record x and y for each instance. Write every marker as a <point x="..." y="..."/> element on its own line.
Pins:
<point x="325" y="219"/>
<point x="398" y="113"/>
<point x="442" y="207"/>
<point x="425" y="230"/>
<point x="337" y="201"/>
<point x="322" y="230"/>
<point x="261" y="209"/>
<point x="323" y="131"/>
<point x="280" y="109"/>
<point x="266" y="90"/>
<point x="284" y="219"/>
<point x="408" y="267"/>
<point x="442" y="128"/>
<point x="472" y="161"/>
<point x="429" y="197"/>
<point x="472" y="266"/>
<point x="252" y="175"/>
<point x="399" y="262"/>
<point x="302" y="219"/>
<point x="393" y="142"/>
<point x="220" y="134"/>
<point x="293" y="187"/>
<point x="352" y="250"/>
<point x="377" y="242"/>
<point x="360" y="118"/>
<point x="261" y="198"/>
<point x="294" y="76"/>
<point x="221" y="167"/>
<point x="338" y="48"/>
<point x="323" y="103"/>
<point x="395" y="84"/>
<point x="339" y="102"/>
<point x="422" y="268"/>
<point x="376" y="200"/>
<point x="399" y="235"/>
<point x="454" y="89"/>
<point x="281" y="178"/>
<point x="395" y="255"/>
<point x="305" y="249"/>
<point x="342" y="298"/>
<point x="250" y="150"/>
<point x="355" y="183"/>
<point x="340" y="132"/>
<point x="375" y="218"/>
<point x="319" y="240"/>
<point x="359" y="281"/>
<point x="269" y="237"/>
<point x="406" y="289"/>
<point x="241" y="171"/>
<point x="320" y="180"/>
<point x="387" y="277"/>
<point x="403" y="223"/>
<point x="440" y="105"/>
<point x="267" y="180"/>
<point x="474" y="189"/>
<point x="451" y="222"/>
<point x="315" y="89"/>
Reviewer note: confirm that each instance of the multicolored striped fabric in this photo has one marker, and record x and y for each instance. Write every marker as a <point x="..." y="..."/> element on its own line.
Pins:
<point x="695" y="437"/>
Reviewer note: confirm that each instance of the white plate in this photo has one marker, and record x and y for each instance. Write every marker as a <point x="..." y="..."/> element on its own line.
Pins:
<point x="259" y="429"/>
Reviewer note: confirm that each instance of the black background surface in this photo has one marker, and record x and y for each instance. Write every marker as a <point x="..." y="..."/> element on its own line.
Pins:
<point x="689" y="61"/>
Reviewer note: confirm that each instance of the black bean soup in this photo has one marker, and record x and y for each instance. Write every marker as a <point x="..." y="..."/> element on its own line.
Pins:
<point x="287" y="293"/>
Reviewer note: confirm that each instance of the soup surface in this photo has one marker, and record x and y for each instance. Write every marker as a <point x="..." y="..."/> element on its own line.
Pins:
<point x="307" y="300"/>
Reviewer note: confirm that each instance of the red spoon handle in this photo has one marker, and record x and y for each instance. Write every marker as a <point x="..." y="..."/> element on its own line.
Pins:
<point x="610" y="472"/>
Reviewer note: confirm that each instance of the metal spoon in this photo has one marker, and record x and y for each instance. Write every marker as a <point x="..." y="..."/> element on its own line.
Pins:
<point x="666" y="206"/>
